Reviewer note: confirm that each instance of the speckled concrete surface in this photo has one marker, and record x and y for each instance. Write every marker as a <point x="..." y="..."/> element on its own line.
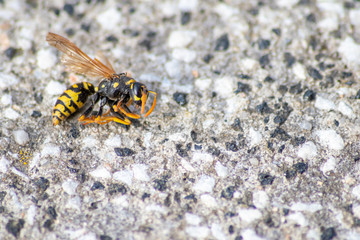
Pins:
<point x="255" y="134"/>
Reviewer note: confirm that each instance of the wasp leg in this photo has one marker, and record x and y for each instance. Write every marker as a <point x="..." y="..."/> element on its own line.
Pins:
<point x="84" y="118"/>
<point x="117" y="118"/>
<point x="125" y="110"/>
<point x="153" y="106"/>
<point x="103" y="102"/>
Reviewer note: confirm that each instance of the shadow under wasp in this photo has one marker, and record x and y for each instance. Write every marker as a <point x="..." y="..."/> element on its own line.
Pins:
<point x="118" y="91"/>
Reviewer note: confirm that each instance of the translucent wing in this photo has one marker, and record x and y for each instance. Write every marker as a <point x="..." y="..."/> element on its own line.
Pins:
<point x="76" y="60"/>
<point x="100" y="55"/>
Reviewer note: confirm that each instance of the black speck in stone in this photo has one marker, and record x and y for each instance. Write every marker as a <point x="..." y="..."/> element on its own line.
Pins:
<point x="299" y="140"/>
<point x="151" y="34"/>
<point x="117" y="188"/>
<point x="231" y="146"/>
<point x="213" y="151"/>
<point x="70" y="32"/>
<point x="238" y="238"/>
<point x="263" y="108"/>
<point x="145" y="196"/>
<point x="311" y="18"/>
<point x="74" y="132"/>
<point x="279" y="119"/>
<point x="254" y="11"/>
<point x="222" y="43"/>
<point x="193" y="135"/>
<point x="69" y="8"/>
<point x="228" y="192"/>
<point x="269" y="79"/>
<point x="191" y="197"/>
<point x="73" y="170"/>
<point x="328" y="234"/>
<point x="237" y="125"/>
<point x="231" y="229"/>
<point x="300" y="167"/>
<point x="322" y="66"/>
<point x="336" y="122"/>
<point x="52" y="212"/>
<point x="243" y="87"/>
<point x="160" y="184"/>
<point x="289" y="59"/>
<point x="357" y="96"/>
<point x="282" y="89"/>
<point x="48" y="224"/>
<point x="207" y="58"/>
<point x="10" y="52"/>
<point x="314" y="73"/>
<point x="266" y="179"/>
<point x="105" y="237"/>
<point x="295" y="89"/>
<point x="14" y="226"/>
<point x="263" y="44"/>
<point x="56" y="11"/>
<point x="290" y="173"/>
<point x="280" y="133"/>
<point x="38" y="97"/>
<point x="81" y="177"/>
<point x="42" y="183"/>
<point x="349" y="5"/>
<point x="2" y="195"/>
<point x="286" y="211"/>
<point x="230" y="214"/>
<point x="167" y="201"/>
<point x="147" y="43"/>
<point x="217" y="72"/>
<point x="112" y="38"/>
<point x="124" y="152"/>
<point x="2" y="209"/>
<point x="131" y="10"/>
<point x="281" y="148"/>
<point x="180" y="98"/>
<point x="313" y="43"/>
<point x="180" y="151"/>
<point x="269" y="222"/>
<point x="177" y="197"/>
<point x="85" y="27"/>
<point x="277" y="31"/>
<point x="197" y="147"/>
<point x="346" y="74"/>
<point x="130" y="32"/>
<point x="73" y="161"/>
<point x="264" y="60"/>
<point x="185" y="18"/>
<point x="266" y="119"/>
<point x="309" y="95"/>
<point x="97" y="186"/>
<point x="36" y="114"/>
<point x="244" y="76"/>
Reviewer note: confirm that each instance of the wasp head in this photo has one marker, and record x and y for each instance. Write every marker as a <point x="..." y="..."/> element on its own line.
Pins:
<point x="139" y="94"/>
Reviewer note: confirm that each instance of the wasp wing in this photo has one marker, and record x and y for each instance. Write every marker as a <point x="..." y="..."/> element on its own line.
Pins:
<point x="76" y="60"/>
<point x="102" y="58"/>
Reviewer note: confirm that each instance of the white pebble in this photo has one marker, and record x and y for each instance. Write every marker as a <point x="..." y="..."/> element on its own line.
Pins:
<point x="202" y="157"/>
<point x="324" y="104"/>
<point x="346" y="110"/>
<point x="225" y="86"/>
<point x="188" y="6"/>
<point x="183" y="54"/>
<point x="69" y="186"/>
<point x="110" y="19"/>
<point x="249" y="215"/>
<point x="147" y="139"/>
<point x="329" y="165"/>
<point x="208" y="201"/>
<point x="192" y="219"/>
<point x="88" y="236"/>
<point x="187" y="166"/>
<point x="74" y="203"/>
<point x="221" y="170"/>
<point x="354" y="16"/>
<point x="356" y="211"/>
<point x="307" y="151"/>
<point x="140" y="172"/>
<point x="299" y="71"/>
<point x="90" y="142"/>
<point x="155" y="208"/>
<point x="100" y="172"/>
<point x="30" y="215"/>
<point x="254" y="137"/>
<point x="350" y="51"/>
<point x="328" y="24"/>
<point x="329" y="138"/>
<point x="46" y="58"/>
<point x="249" y="234"/>
<point x="260" y="199"/>
<point x="181" y="38"/>
<point x="173" y="68"/>
<point x="11" y="114"/>
<point x="55" y="88"/>
<point x="121" y="201"/>
<point x="197" y="232"/>
<point x="248" y="64"/>
<point x="124" y="176"/>
<point x="4" y="164"/>
<point x="6" y="99"/>
<point x="7" y="80"/>
<point x="298" y="218"/>
<point x="114" y="141"/>
<point x="309" y="207"/>
<point x="356" y="191"/>
<point x="203" y="83"/>
<point x="205" y="184"/>
<point x="21" y="137"/>
<point x="50" y="150"/>
<point x="306" y="125"/>
<point x="225" y="11"/>
<point x="286" y="3"/>
<point x="217" y="232"/>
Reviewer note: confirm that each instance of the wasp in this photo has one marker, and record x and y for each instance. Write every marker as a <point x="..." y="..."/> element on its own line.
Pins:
<point x="117" y="91"/>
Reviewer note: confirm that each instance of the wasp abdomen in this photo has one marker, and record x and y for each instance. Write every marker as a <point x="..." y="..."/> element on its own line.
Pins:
<point x="71" y="100"/>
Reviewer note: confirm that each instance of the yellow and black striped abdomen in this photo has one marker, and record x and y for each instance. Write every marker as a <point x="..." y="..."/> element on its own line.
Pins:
<point x="71" y="100"/>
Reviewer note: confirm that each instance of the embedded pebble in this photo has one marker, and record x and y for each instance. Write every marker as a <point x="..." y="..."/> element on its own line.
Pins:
<point x="6" y="99"/>
<point x="260" y="199"/>
<point x="188" y="167"/>
<point x="309" y="207"/>
<point x="4" y="164"/>
<point x="109" y="19"/>
<point x="346" y="110"/>
<point x="186" y="5"/>
<point x="183" y="54"/>
<point x="140" y="172"/>
<point x="173" y="68"/>
<point x="21" y="137"/>
<point x="306" y="125"/>
<point x="204" y="184"/>
<point x="356" y="211"/>
<point x="329" y="165"/>
<point x="7" y="80"/>
<point x="250" y="234"/>
<point x="248" y="64"/>
<point x="192" y="219"/>
<point x="100" y="172"/>
<point x="88" y="236"/>
<point x="11" y="114"/>
<point x="208" y="200"/>
<point x="55" y="88"/>
<point x="202" y="84"/>
<point x="254" y="137"/>
<point x="114" y="141"/>
<point x="324" y="104"/>
<point x="46" y="58"/>
<point x="356" y="192"/>
<point x="30" y="215"/>
<point x="74" y="203"/>
<point x="181" y="38"/>
<point x="350" y="52"/>
<point x="224" y="86"/>
<point x="249" y="215"/>
<point x="329" y="138"/>
<point x="307" y="151"/>
<point x="124" y="176"/>
<point x="354" y="16"/>
<point x="221" y="170"/>
<point x="217" y="231"/>
<point x="197" y="232"/>
<point x="286" y="3"/>
<point x="69" y="186"/>
<point x="328" y="24"/>
<point x="50" y="150"/>
<point x="298" y="218"/>
<point x="299" y="71"/>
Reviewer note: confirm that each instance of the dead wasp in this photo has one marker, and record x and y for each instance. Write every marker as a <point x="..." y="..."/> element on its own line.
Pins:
<point x="118" y="91"/>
